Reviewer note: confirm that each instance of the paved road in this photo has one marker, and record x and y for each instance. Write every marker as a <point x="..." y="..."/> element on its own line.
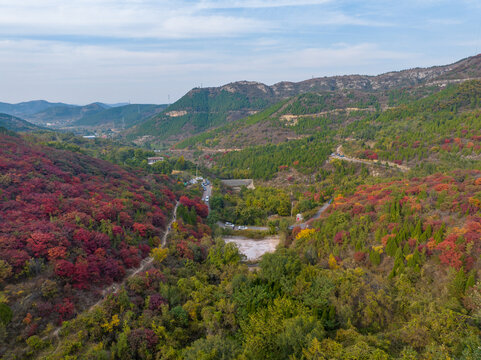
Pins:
<point x="318" y="214"/>
<point x="207" y="192"/>
<point x="260" y="228"/>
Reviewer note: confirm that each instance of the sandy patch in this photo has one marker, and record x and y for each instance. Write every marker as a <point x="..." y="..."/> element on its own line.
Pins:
<point x="254" y="249"/>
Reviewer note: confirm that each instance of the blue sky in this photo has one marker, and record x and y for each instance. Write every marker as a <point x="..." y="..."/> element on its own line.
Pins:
<point x="146" y="51"/>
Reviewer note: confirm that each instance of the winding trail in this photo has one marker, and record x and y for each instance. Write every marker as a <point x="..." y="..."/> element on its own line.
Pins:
<point x="340" y="155"/>
<point x="143" y="265"/>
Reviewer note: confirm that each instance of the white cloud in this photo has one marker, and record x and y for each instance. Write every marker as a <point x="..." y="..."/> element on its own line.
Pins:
<point x="339" y="18"/>
<point x="128" y="19"/>
<point x="155" y="19"/>
<point x="255" y="4"/>
<point x="209" y="26"/>
<point x="340" y="59"/>
<point x="445" y="21"/>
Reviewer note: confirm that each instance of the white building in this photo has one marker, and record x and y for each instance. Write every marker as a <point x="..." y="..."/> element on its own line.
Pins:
<point x="153" y="160"/>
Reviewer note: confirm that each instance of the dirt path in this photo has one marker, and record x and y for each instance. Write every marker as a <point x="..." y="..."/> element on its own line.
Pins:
<point x="293" y="119"/>
<point x="340" y="155"/>
<point x="143" y="265"/>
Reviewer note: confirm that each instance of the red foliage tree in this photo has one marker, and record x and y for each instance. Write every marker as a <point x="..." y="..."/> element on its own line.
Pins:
<point x="64" y="269"/>
<point x="39" y="243"/>
<point x="65" y="309"/>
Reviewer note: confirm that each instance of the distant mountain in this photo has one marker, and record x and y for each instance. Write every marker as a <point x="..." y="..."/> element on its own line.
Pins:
<point x="24" y="109"/>
<point x="121" y="117"/>
<point x="96" y="115"/>
<point x="204" y="108"/>
<point x="16" y="124"/>
<point x="61" y="116"/>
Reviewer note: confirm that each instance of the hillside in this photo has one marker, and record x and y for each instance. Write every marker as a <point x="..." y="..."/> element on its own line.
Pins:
<point x="16" y="124"/>
<point x="119" y="117"/>
<point x="202" y="109"/>
<point x="70" y="225"/>
<point x="389" y="271"/>
<point x="446" y="122"/>
<point x="282" y="121"/>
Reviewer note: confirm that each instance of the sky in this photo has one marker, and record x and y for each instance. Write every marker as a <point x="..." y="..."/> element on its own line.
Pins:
<point x="154" y="51"/>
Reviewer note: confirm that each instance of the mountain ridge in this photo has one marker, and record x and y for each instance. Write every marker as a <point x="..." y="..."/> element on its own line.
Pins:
<point x="198" y="111"/>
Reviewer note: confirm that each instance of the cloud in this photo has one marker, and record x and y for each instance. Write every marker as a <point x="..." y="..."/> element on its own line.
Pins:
<point x="126" y="19"/>
<point x="257" y="4"/>
<point x="445" y="21"/>
<point x="338" y="18"/>
<point x="161" y="20"/>
<point x="209" y="26"/>
<point x="339" y="59"/>
<point x="342" y="55"/>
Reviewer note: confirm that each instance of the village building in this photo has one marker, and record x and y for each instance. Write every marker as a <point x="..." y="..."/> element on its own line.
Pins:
<point x="153" y="160"/>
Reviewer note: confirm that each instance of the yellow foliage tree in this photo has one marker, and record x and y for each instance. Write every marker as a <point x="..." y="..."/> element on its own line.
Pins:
<point x="159" y="254"/>
<point x="305" y="233"/>
<point x="109" y="325"/>
<point x="332" y="262"/>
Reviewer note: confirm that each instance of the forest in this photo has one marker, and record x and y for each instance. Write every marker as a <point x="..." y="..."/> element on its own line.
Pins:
<point x="389" y="272"/>
<point x="69" y="226"/>
<point x="249" y="207"/>
<point x="390" y="269"/>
